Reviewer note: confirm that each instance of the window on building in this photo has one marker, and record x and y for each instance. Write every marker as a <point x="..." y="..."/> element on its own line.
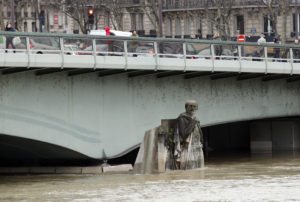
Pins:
<point x="294" y="22"/>
<point x="141" y="21"/>
<point x="187" y="26"/>
<point x="170" y="27"/>
<point x="32" y="14"/>
<point x="268" y="25"/>
<point x="8" y="14"/>
<point x="60" y="18"/>
<point x="211" y="27"/>
<point x="107" y="22"/>
<point x="25" y="11"/>
<point x="66" y="19"/>
<point x="42" y="17"/>
<point x="239" y="19"/>
<point x="176" y="3"/>
<point x="199" y="25"/>
<point x="25" y="27"/>
<point x="121" y="22"/>
<point x="154" y="21"/>
<point x="178" y="26"/>
<point x="51" y="18"/>
<point x="133" y="21"/>
<point x="33" y="26"/>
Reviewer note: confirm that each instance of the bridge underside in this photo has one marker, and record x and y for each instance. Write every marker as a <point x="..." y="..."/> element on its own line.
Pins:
<point x="160" y="74"/>
<point x="276" y="136"/>
<point x="23" y="151"/>
<point x="265" y="136"/>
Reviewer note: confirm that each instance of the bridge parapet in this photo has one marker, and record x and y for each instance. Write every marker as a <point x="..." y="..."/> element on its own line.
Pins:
<point x="40" y="50"/>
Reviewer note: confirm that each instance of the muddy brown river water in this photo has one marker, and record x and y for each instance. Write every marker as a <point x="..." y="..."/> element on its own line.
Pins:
<point x="223" y="179"/>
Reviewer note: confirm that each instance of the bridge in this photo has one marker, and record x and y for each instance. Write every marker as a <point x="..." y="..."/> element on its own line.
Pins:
<point x="83" y="96"/>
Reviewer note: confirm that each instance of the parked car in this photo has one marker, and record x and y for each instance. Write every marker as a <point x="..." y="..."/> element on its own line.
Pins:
<point x="206" y="54"/>
<point x="42" y="45"/>
<point x="169" y="50"/>
<point x="70" y="49"/>
<point x="145" y="50"/>
<point x="103" y="49"/>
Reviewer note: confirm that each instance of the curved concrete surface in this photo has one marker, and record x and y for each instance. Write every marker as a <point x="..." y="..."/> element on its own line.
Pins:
<point x="105" y="116"/>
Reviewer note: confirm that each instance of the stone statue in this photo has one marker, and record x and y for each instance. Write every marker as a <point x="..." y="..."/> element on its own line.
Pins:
<point x="188" y="139"/>
<point x="175" y="144"/>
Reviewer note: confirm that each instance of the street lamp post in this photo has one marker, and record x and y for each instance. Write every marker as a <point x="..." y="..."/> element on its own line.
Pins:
<point x="297" y="20"/>
<point x="12" y="12"/>
<point x="160" y="18"/>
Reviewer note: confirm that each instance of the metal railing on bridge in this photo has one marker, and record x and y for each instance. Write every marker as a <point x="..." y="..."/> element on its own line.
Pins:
<point x="169" y="5"/>
<point x="40" y="50"/>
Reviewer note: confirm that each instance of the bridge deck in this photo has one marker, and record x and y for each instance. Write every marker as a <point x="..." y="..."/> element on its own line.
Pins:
<point x="202" y="58"/>
<point x="104" y="117"/>
<point x="140" y="63"/>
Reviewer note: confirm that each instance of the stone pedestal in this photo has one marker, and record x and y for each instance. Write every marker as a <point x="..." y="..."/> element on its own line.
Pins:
<point x="155" y="154"/>
<point x="146" y="161"/>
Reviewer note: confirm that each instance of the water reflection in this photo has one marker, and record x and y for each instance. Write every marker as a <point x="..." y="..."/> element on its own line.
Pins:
<point x="224" y="179"/>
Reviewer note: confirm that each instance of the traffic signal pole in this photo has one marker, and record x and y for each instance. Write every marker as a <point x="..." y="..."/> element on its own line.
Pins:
<point x="297" y="20"/>
<point x="160" y="18"/>
<point x="91" y="18"/>
<point x="12" y="13"/>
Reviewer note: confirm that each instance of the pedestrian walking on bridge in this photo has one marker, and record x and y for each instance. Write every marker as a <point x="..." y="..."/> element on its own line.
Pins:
<point x="9" y="39"/>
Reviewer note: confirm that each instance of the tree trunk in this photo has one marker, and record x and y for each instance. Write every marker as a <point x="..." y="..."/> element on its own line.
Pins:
<point x="284" y="19"/>
<point x="19" y="19"/>
<point x="2" y="26"/>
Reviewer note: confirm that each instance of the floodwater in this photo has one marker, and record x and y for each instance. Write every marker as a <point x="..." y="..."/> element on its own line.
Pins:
<point x="223" y="179"/>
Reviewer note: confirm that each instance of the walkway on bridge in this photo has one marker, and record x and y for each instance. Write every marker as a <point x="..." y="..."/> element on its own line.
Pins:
<point x="108" y="55"/>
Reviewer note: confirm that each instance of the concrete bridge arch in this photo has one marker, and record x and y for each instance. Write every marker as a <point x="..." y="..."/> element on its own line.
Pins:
<point x="97" y="116"/>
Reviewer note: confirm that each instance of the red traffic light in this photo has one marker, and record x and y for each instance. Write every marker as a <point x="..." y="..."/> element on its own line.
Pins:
<point x="91" y="12"/>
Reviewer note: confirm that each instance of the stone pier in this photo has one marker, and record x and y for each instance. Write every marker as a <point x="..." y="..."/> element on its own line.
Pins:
<point x="274" y="136"/>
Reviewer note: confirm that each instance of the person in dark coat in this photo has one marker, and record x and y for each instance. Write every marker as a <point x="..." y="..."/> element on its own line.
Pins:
<point x="9" y="40"/>
<point x="218" y="48"/>
<point x="296" y="52"/>
<point x="276" y="50"/>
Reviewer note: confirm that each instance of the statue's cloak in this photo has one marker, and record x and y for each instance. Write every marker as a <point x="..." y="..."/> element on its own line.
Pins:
<point x="188" y="140"/>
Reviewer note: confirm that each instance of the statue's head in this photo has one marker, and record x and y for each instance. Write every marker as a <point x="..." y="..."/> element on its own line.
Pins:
<point x="191" y="106"/>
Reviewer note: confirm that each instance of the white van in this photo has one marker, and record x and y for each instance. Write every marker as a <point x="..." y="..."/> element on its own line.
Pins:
<point x="102" y="32"/>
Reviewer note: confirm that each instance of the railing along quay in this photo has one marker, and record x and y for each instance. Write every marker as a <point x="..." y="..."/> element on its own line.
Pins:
<point x="40" y="50"/>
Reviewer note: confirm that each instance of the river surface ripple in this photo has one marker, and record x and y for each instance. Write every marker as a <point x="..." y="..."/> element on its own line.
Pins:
<point x="243" y="179"/>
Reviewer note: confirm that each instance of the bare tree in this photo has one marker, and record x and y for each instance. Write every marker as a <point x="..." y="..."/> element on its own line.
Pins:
<point x="221" y="17"/>
<point x="273" y="9"/>
<point x="116" y="8"/>
<point x="76" y="9"/>
<point x="151" y="10"/>
<point x="19" y="17"/>
<point x="37" y="14"/>
<point x="284" y="7"/>
<point x="276" y="7"/>
<point x="2" y="26"/>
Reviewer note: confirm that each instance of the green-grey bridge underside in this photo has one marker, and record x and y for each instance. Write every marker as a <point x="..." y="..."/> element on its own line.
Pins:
<point x="108" y="115"/>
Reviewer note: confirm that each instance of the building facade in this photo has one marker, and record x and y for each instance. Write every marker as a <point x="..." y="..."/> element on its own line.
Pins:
<point x="189" y="18"/>
<point x="181" y="18"/>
